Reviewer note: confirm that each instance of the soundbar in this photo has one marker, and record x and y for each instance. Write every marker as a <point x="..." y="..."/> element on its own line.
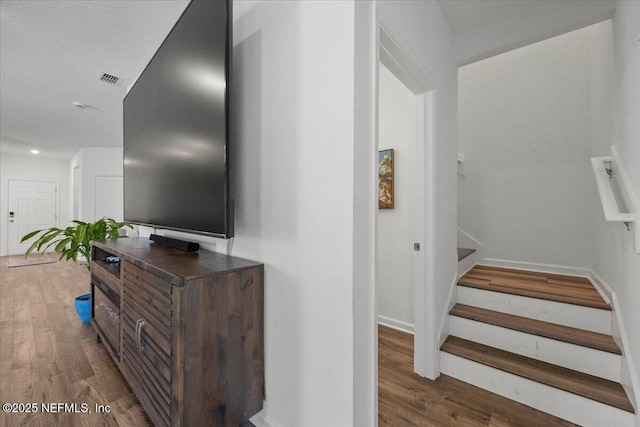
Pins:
<point x="182" y="245"/>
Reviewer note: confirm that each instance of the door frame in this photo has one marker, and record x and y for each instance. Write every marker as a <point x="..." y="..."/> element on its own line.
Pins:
<point x="399" y="60"/>
<point x="5" y="201"/>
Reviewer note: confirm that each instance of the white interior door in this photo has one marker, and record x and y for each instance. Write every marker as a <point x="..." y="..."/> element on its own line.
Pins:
<point x="32" y="206"/>
<point x="109" y="197"/>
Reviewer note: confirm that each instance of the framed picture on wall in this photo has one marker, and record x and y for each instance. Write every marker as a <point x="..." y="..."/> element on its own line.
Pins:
<point x="385" y="179"/>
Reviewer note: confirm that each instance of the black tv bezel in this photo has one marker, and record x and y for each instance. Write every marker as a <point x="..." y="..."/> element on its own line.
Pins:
<point x="229" y="209"/>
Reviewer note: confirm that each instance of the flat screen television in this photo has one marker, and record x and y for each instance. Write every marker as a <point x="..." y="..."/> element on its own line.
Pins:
<point x="176" y="128"/>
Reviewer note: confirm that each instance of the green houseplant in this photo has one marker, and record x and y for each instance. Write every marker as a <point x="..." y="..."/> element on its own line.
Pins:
<point x="75" y="240"/>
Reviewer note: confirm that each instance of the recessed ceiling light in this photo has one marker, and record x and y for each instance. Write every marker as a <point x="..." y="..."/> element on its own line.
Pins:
<point x="34" y="151"/>
<point x="79" y="104"/>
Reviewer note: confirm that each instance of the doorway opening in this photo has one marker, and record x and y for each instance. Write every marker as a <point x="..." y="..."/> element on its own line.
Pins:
<point x="413" y="301"/>
<point x="398" y="201"/>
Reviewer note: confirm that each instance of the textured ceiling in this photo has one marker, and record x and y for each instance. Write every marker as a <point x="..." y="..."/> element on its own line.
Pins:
<point x="52" y="53"/>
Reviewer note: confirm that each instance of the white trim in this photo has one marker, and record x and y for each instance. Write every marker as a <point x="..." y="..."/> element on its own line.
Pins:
<point x="603" y="289"/>
<point x="633" y="389"/>
<point x="396" y="56"/>
<point x="443" y="329"/>
<point x="425" y="343"/>
<point x="365" y="213"/>
<point x="537" y="267"/>
<point x="396" y="324"/>
<point x="470" y="237"/>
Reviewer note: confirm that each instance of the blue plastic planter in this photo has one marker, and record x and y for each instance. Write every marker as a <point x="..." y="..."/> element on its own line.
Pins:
<point x="83" y="307"/>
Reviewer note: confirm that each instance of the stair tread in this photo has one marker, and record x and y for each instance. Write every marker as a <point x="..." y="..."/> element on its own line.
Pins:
<point x="537" y="327"/>
<point x="547" y="286"/>
<point x="589" y="386"/>
<point x="464" y="252"/>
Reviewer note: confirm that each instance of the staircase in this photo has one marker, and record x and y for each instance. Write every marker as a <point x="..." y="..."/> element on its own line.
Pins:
<point x="540" y="339"/>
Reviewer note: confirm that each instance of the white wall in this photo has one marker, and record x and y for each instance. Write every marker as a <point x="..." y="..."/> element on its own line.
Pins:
<point x="292" y="171"/>
<point x="305" y="206"/>
<point x="92" y="162"/>
<point x="396" y="227"/>
<point x="32" y="168"/>
<point x="525" y="137"/>
<point x="615" y="258"/>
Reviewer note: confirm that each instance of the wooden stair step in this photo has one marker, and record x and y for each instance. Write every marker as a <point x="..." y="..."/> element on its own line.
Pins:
<point x="594" y="388"/>
<point x="537" y="327"/>
<point x="464" y="252"/>
<point x="547" y="286"/>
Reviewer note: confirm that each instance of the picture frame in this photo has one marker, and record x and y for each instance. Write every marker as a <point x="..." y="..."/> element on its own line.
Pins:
<point x="386" y="195"/>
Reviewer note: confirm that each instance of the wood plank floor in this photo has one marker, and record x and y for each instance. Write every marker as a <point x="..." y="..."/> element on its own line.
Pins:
<point x="405" y="399"/>
<point x="47" y="355"/>
<point x="553" y="287"/>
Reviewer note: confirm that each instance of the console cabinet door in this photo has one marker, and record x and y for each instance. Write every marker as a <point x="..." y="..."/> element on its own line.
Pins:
<point x="147" y="340"/>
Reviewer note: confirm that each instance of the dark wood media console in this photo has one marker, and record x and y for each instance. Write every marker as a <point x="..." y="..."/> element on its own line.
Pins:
<point x="185" y="329"/>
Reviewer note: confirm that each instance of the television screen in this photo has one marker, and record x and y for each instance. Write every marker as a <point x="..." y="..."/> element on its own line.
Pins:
<point x="176" y="128"/>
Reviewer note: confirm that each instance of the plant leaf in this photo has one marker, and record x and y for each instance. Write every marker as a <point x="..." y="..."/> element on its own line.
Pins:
<point x="62" y="243"/>
<point x="29" y="235"/>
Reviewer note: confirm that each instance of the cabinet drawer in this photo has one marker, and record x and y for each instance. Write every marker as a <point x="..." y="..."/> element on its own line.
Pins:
<point x="106" y="314"/>
<point x="99" y="273"/>
<point x="147" y="340"/>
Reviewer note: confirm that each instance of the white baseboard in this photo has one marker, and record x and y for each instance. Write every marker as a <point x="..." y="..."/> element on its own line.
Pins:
<point x="603" y="288"/>
<point x="396" y="324"/>
<point x="537" y="267"/>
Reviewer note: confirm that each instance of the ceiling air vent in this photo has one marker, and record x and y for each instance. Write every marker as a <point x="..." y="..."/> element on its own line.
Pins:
<point x="110" y="79"/>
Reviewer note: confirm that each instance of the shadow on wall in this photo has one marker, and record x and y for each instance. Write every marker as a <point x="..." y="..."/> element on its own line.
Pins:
<point x="264" y="181"/>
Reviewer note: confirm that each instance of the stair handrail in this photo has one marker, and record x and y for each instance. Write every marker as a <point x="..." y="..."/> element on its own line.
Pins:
<point x="617" y="201"/>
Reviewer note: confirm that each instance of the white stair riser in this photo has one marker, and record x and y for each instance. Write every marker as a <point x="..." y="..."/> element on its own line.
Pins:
<point x="590" y="361"/>
<point x="575" y="316"/>
<point x="559" y="403"/>
<point x="466" y="264"/>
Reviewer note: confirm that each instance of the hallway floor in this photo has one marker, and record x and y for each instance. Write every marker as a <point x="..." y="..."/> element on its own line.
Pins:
<point x="406" y="399"/>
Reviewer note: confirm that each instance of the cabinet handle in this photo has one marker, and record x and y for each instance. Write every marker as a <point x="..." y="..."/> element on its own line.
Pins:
<point x="139" y="325"/>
